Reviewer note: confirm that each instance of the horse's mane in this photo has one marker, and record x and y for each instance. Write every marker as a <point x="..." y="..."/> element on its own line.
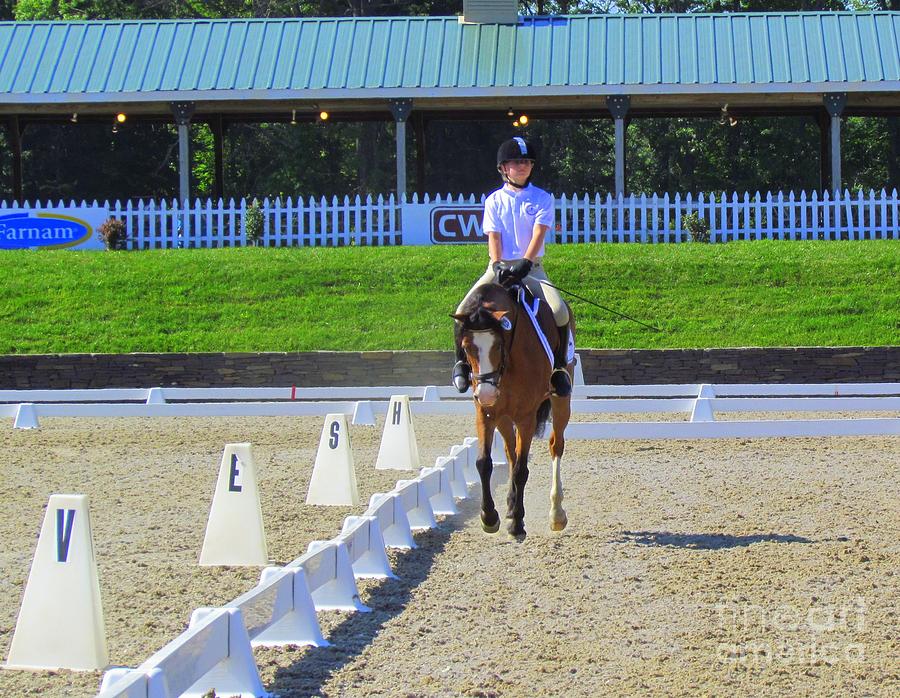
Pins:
<point x="477" y="309"/>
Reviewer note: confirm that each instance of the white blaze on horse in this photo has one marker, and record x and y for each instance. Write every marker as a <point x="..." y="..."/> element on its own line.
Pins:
<point x="511" y="380"/>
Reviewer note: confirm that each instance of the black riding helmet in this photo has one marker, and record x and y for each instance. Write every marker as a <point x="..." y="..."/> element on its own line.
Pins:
<point x="516" y="148"/>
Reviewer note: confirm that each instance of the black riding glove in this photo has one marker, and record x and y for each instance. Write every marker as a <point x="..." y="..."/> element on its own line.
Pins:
<point x="520" y="269"/>
<point x="501" y="272"/>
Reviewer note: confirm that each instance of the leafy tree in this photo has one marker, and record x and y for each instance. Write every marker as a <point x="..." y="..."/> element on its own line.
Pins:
<point x="88" y="161"/>
<point x="5" y="167"/>
<point x="303" y="159"/>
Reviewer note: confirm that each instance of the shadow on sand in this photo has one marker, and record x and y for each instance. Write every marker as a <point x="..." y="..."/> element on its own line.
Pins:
<point x="387" y="599"/>
<point x="704" y="541"/>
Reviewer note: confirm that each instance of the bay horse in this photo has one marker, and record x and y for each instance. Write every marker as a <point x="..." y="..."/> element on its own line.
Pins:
<point x="511" y="383"/>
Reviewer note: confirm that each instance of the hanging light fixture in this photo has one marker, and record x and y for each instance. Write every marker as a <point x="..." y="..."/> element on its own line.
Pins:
<point x="523" y="119"/>
<point x="294" y="116"/>
<point x="74" y="117"/>
<point x="727" y="118"/>
<point x="323" y="115"/>
<point x="120" y="117"/>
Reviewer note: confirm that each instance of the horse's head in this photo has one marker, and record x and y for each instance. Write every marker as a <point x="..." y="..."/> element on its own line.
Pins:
<point x="486" y="324"/>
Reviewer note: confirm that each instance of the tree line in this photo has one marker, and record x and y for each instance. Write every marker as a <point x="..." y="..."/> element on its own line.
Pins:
<point x="88" y="160"/>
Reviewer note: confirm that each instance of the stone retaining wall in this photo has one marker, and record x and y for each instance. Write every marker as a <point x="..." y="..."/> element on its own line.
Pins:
<point x="793" y="365"/>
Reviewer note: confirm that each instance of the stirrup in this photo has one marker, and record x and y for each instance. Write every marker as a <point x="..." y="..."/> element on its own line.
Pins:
<point x="461" y="376"/>
<point x="560" y="383"/>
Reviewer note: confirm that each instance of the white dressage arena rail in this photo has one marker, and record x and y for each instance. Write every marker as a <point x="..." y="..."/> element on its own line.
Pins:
<point x="432" y="393"/>
<point x="215" y="650"/>
<point x="700" y="401"/>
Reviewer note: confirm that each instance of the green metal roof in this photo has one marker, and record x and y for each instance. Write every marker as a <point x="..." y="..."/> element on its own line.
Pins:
<point x="422" y="57"/>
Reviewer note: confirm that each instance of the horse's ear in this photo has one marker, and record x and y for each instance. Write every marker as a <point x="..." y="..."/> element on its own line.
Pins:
<point x="460" y="317"/>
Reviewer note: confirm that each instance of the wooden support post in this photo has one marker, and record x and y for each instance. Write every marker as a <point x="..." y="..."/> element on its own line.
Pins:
<point x="401" y="109"/>
<point x="618" y="106"/>
<point x="183" y="111"/>
<point x="835" y="103"/>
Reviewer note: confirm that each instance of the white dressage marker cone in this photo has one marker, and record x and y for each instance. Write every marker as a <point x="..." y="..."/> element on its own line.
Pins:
<point x="60" y="622"/>
<point x="234" y="533"/>
<point x="398" y="450"/>
<point x="155" y="397"/>
<point x="703" y="411"/>
<point x="363" y="415"/>
<point x="430" y="394"/>
<point x="333" y="479"/>
<point x="26" y="417"/>
<point x="579" y="371"/>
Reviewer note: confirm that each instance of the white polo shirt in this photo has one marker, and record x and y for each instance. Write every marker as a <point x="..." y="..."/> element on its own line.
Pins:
<point x="513" y="214"/>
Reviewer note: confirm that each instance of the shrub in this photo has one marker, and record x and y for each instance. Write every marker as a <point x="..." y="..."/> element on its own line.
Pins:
<point x="113" y="233"/>
<point x="696" y="227"/>
<point x="253" y="223"/>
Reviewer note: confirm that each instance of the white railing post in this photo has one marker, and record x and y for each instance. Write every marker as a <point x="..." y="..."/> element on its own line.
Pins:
<point x="892" y="222"/>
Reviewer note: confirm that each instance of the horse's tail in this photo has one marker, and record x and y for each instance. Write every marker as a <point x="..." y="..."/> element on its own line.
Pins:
<point x="543" y="416"/>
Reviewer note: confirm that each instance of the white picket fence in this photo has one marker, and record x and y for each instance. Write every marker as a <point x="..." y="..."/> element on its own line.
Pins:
<point x="378" y="220"/>
<point x="652" y="219"/>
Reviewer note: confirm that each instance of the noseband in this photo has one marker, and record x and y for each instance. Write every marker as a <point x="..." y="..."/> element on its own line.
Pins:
<point x="493" y="377"/>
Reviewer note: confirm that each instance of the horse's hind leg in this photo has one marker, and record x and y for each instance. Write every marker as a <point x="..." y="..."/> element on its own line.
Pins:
<point x="508" y="432"/>
<point x="490" y="519"/>
<point x="561" y="414"/>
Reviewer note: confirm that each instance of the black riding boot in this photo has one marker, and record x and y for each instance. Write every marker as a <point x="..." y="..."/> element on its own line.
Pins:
<point x="462" y="372"/>
<point x="560" y="383"/>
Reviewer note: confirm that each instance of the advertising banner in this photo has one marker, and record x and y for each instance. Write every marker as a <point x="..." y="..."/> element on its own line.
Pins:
<point x="442" y="223"/>
<point x="52" y="228"/>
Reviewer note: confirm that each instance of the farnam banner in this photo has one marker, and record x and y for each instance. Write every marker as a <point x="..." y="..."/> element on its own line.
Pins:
<point x="52" y="228"/>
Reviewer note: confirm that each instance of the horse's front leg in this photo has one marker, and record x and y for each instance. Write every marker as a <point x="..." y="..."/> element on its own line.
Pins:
<point x="519" y="477"/>
<point x="490" y="519"/>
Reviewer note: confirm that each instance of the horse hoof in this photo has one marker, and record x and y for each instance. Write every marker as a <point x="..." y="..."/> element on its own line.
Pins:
<point x="559" y="523"/>
<point x="517" y="530"/>
<point x="490" y="527"/>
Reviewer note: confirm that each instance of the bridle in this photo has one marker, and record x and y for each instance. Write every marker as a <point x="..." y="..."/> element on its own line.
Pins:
<point x="493" y="377"/>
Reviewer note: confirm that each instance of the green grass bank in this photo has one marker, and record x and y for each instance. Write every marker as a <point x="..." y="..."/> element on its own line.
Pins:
<point x="240" y="300"/>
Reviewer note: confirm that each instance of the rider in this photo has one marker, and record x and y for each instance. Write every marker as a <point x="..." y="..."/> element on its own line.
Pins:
<point x="517" y="217"/>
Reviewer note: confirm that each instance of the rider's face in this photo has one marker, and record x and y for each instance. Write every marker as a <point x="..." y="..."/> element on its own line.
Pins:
<point x="517" y="170"/>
